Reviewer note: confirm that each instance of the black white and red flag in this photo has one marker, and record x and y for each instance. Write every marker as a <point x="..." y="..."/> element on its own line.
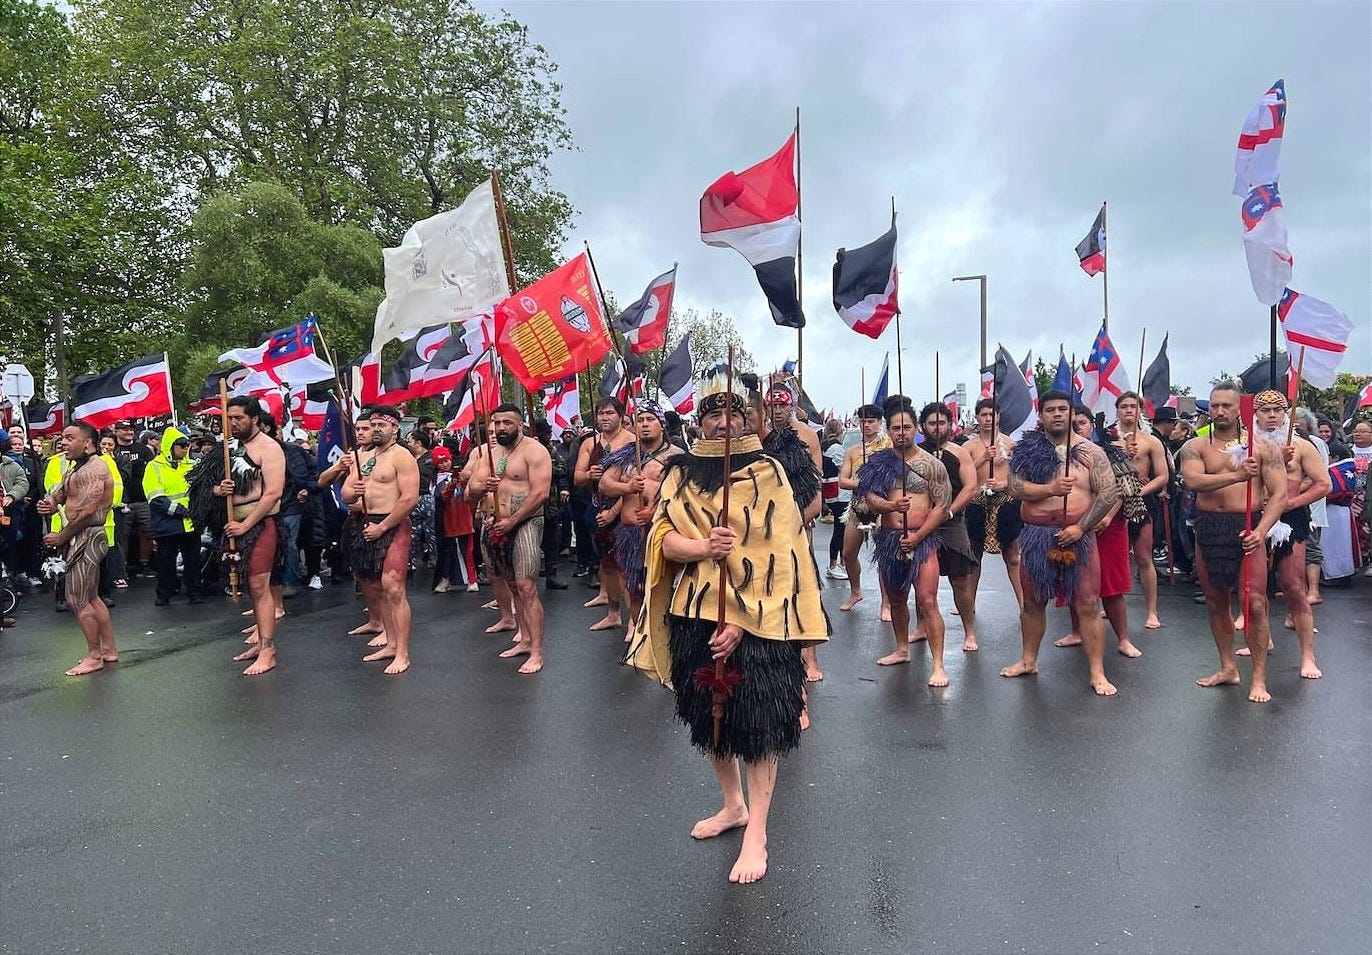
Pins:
<point x="1157" y="381"/>
<point x="644" y="323"/>
<point x="45" y="420"/>
<point x="1091" y="250"/>
<point x="865" y="285"/>
<point x="756" y="213"/>
<point x="140" y="389"/>
<point x="404" y="380"/>
<point x="456" y="356"/>
<point x="309" y="406"/>
<point x="478" y="393"/>
<point x="207" y="402"/>
<point x="561" y="403"/>
<point x="674" y="377"/>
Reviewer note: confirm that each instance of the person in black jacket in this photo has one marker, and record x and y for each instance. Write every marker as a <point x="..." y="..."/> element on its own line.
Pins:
<point x="424" y="543"/>
<point x="135" y="540"/>
<point x="302" y="474"/>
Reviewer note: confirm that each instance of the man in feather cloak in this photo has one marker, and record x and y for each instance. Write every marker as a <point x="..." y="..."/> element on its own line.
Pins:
<point x="772" y="609"/>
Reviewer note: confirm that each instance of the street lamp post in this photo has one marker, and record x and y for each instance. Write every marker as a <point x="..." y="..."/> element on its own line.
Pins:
<point x="982" y="280"/>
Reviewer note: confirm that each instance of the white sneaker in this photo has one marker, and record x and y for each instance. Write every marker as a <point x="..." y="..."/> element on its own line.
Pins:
<point x="473" y="588"/>
<point x="837" y="573"/>
<point x="315" y="583"/>
<point x="443" y="587"/>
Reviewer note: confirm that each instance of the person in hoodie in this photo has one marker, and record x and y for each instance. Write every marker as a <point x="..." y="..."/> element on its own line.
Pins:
<point x="168" y="496"/>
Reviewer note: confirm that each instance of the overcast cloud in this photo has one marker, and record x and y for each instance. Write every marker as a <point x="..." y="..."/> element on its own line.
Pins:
<point x="999" y="129"/>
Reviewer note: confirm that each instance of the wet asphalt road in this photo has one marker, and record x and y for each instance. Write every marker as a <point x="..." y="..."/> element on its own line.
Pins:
<point x="170" y="805"/>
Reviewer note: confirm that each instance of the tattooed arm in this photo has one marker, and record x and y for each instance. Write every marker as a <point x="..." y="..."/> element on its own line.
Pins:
<point x="1023" y="490"/>
<point x="1194" y="475"/>
<point x="1273" y="477"/>
<point x="1104" y="491"/>
<point x="940" y="494"/>
<point x="88" y="494"/>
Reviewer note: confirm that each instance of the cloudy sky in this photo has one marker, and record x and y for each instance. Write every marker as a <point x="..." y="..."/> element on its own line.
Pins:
<point x="999" y="129"/>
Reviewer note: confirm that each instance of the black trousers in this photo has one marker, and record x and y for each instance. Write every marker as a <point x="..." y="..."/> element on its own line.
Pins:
<point x="585" y="555"/>
<point x="188" y="546"/>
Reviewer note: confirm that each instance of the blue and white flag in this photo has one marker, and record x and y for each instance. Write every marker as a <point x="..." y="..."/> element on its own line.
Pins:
<point x="331" y="448"/>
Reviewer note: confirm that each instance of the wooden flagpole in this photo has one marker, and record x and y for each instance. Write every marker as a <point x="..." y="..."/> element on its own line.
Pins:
<point x="938" y="391"/>
<point x="507" y="247"/>
<point x="720" y="687"/>
<point x="800" y="270"/>
<point x="1142" y="340"/>
<point x="609" y="330"/>
<point x="232" y="556"/>
<point x="1291" y="413"/>
<point x="347" y="398"/>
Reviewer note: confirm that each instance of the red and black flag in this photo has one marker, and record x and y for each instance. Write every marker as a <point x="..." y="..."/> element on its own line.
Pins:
<point x="45" y="420"/>
<point x="756" y="213"/>
<point x="1091" y="250"/>
<point x="644" y="323"/>
<point x="140" y="389"/>
<point x="865" y="285"/>
<point x="674" y="377"/>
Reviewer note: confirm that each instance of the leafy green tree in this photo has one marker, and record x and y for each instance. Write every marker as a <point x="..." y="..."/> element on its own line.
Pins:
<point x="1043" y="376"/>
<point x="375" y="115"/>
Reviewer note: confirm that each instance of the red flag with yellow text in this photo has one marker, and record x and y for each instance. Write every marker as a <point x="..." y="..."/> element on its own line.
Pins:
<point x="554" y="328"/>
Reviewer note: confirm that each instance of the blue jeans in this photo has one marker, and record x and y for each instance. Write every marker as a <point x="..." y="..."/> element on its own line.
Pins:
<point x="289" y="525"/>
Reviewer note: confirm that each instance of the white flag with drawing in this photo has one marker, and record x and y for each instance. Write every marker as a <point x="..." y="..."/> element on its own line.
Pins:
<point x="447" y="268"/>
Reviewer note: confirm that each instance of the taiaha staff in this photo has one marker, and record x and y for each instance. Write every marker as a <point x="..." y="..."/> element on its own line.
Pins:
<point x="1291" y="414"/>
<point x="1143" y="339"/>
<point x="347" y="409"/>
<point x="480" y="402"/>
<point x="720" y="686"/>
<point x="232" y="556"/>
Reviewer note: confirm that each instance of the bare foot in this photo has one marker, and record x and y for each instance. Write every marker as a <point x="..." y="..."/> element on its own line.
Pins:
<point x="1315" y="599"/>
<point x="532" y="665"/>
<point x="1103" y="687"/>
<point x="249" y="654"/>
<point x="918" y="635"/>
<point x="852" y="601"/>
<point x="378" y="641"/>
<point x="398" y="665"/>
<point x="938" y="677"/>
<point x="385" y="653"/>
<point x="110" y="657"/>
<point x="1238" y="622"/>
<point x="1071" y="640"/>
<point x="365" y="628"/>
<point x="1152" y="623"/>
<point x="610" y="621"/>
<point x="1243" y="651"/>
<point x="720" y="823"/>
<point x="248" y="613"/>
<point x="891" y="659"/>
<point x="885" y="613"/>
<point x="1127" y="649"/>
<point x="518" y="650"/>
<point x="1220" y="678"/>
<point x="599" y="600"/>
<point x="804" y="718"/>
<point x="813" y="674"/>
<point x="501" y="625"/>
<point x="491" y="605"/>
<point x="1257" y="693"/>
<point x="265" y="662"/>
<point x="969" y="643"/>
<point x="1309" y="671"/>
<point x="250" y="630"/>
<point x="752" y="861"/>
<point x="1019" y="669"/>
<point x="86" y="665"/>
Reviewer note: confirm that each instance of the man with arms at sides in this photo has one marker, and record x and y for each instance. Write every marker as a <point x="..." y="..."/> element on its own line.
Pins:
<point x="858" y="514"/>
<point x="1150" y="460"/>
<point x="1112" y="540"/>
<point x="514" y="530"/>
<point x="910" y="490"/>
<point x="83" y="498"/>
<point x="255" y="484"/>
<point x="1218" y="468"/>
<point x="484" y="447"/>
<point x="956" y="559"/>
<point x="993" y="516"/>
<point x="759" y="547"/>
<point x="350" y="534"/>
<point x="388" y="489"/>
<point x="1067" y="489"/>
<point x="610" y="436"/>
<point x="1307" y="481"/>
<point x="633" y="474"/>
<point x="795" y="446"/>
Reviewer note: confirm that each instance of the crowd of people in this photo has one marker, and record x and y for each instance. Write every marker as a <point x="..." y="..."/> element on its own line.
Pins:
<point x="697" y="537"/>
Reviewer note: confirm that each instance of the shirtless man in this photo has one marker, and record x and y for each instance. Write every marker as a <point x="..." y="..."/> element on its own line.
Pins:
<point x="1067" y="489"/>
<point x="255" y="484"/>
<point x="610" y="436"/>
<point x="1307" y="481"/>
<point x="910" y="490"/>
<point x="956" y="559"/>
<point x="993" y="516"/>
<point x="341" y="470"/>
<point x="387" y="490"/>
<point x="633" y="474"/>
<point x="83" y="500"/>
<point x="1150" y="461"/>
<point x="1217" y="469"/>
<point x="514" y="531"/>
<point x="873" y="440"/>
<point x="484" y="446"/>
